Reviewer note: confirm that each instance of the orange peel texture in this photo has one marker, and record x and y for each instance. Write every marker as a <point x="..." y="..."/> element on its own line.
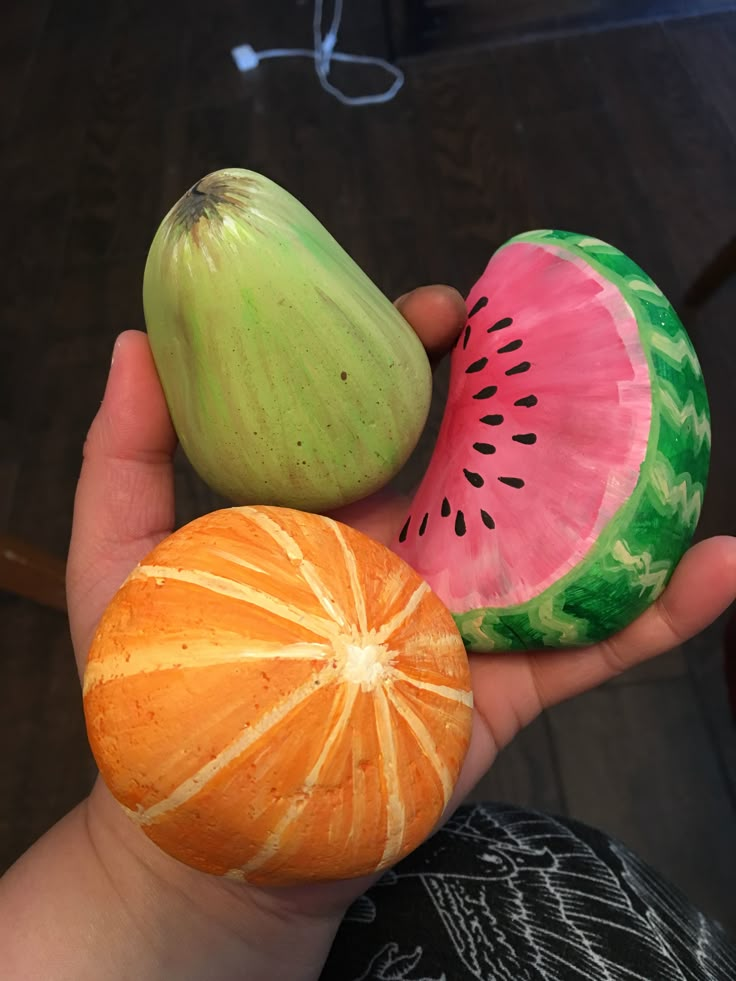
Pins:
<point x="275" y="697"/>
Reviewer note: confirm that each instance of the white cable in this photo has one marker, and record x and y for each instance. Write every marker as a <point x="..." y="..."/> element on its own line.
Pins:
<point x="323" y="53"/>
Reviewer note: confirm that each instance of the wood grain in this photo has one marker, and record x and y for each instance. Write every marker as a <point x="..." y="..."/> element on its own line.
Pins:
<point x="117" y="192"/>
<point x="675" y="144"/>
<point x="474" y="168"/>
<point x="710" y="330"/>
<point x="638" y="763"/>
<point x="705" y="662"/>
<point x="22" y="28"/>
<point x="8" y="477"/>
<point x="525" y="773"/>
<point x="709" y="55"/>
<point x="40" y="161"/>
<point x="27" y="571"/>
<point x="673" y="664"/>
<point x="460" y="25"/>
<point x="94" y="303"/>
<point x="52" y="767"/>
<point x="583" y="148"/>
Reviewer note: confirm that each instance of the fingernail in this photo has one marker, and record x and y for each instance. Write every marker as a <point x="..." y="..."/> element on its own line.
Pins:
<point x="115" y="348"/>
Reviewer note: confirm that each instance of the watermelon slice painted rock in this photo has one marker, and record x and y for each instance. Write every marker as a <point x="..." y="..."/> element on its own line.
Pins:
<point x="570" y="466"/>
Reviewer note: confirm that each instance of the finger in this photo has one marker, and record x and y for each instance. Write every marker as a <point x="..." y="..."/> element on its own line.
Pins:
<point x="437" y="314"/>
<point x="482" y="752"/>
<point x="124" y="502"/>
<point x="702" y="587"/>
<point x="380" y="516"/>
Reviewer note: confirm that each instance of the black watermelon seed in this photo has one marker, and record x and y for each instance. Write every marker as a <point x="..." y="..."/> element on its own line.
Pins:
<point x="486" y="393"/>
<point x="513" y="346"/>
<point x="423" y="525"/>
<point x="512" y="481"/>
<point x="500" y="324"/>
<point x="492" y="420"/>
<point x="486" y="448"/>
<point x="483" y="301"/>
<point x="460" y="524"/>
<point x="527" y="438"/>
<point x="519" y="368"/>
<point x="528" y="401"/>
<point x="478" y="365"/>
<point x="404" y="530"/>
<point x="473" y="478"/>
<point x="445" y="510"/>
<point x="466" y="338"/>
<point x="487" y="519"/>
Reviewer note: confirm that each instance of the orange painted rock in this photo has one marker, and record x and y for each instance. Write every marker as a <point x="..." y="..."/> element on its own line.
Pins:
<point x="275" y="697"/>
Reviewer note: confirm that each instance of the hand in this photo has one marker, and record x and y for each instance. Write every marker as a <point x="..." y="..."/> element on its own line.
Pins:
<point x="182" y="922"/>
<point x="511" y="689"/>
<point x="125" y="506"/>
<point x="94" y="899"/>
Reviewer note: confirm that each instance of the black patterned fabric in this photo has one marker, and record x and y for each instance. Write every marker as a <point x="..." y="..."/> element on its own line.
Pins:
<point x="515" y="895"/>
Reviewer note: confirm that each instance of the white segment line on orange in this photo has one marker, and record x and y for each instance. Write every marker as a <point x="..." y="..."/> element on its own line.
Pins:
<point x="424" y="738"/>
<point x="337" y="729"/>
<point x="352" y="569"/>
<point x="210" y="770"/>
<point x="294" y="553"/>
<point x="384" y="632"/>
<point x="395" y="809"/>
<point x="454" y="694"/>
<point x="238" y="560"/>
<point x="320" y="626"/>
<point x="198" y="654"/>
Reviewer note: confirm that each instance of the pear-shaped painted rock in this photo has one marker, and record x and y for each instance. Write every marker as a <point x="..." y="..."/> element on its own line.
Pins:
<point x="290" y="378"/>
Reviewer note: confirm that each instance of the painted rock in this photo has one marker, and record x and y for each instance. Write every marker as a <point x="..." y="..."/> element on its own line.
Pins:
<point x="571" y="463"/>
<point x="290" y="378"/>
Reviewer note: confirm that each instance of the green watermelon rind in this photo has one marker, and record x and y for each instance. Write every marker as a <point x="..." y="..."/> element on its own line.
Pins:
<point x="636" y="553"/>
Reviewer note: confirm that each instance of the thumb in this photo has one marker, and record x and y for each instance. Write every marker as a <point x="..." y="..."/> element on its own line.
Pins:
<point x="124" y="502"/>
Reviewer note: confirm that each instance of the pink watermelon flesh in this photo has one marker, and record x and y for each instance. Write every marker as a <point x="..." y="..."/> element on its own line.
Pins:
<point x="544" y="434"/>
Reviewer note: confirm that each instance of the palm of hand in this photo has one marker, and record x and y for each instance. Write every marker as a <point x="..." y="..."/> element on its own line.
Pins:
<point x="125" y="506"/>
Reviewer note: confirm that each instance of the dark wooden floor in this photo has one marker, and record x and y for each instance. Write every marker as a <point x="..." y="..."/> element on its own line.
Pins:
<point x="108" y="111"/>
<point x="420" y="26"/>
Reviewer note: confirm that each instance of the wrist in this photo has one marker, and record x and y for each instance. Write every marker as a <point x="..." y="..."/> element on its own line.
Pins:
<point x="204" y="927"/>
<point x="95" y="899"/>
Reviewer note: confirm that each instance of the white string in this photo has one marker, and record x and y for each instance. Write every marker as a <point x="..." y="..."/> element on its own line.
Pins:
<point x="323" y="53"/>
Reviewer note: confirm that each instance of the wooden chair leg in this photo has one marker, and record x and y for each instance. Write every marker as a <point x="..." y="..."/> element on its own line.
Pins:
<point x="32" y="573"/>
<point x="714" y="275"/>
